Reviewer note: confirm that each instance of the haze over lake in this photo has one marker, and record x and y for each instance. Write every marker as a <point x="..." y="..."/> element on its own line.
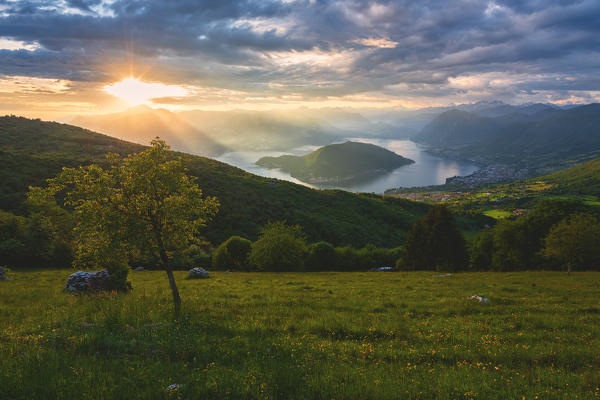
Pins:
<point x="427" y="169"/>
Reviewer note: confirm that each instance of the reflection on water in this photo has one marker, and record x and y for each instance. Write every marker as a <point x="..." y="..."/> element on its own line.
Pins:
<point x="427" y="169"/>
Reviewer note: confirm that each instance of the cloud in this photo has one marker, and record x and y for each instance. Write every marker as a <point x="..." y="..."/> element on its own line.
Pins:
<point x="311" y="49"/>
<point x="382" y="43"/>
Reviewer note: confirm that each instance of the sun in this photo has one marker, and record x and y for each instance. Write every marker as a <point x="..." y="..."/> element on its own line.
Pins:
<point x="137" y="92"/>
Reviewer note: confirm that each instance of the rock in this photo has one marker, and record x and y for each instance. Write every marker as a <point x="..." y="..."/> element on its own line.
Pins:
<point x="479" y="298"/>
<point x="198" y="273"/>
<point x="382" y="269"/>
<point x="3" y="276"/>
<point x="83" y="281"/>
<point x="173" y="387"/>
<point x="139" y="269"/>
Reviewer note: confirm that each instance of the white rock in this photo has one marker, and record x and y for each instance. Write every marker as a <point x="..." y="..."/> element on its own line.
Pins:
<point x="173" y="387"/>
<point x="198" y="273"/>
<point x="479" y="298"/>
<point x="83" y="281"/>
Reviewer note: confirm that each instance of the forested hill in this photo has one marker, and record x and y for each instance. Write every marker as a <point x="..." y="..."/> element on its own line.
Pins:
<point x="342" y="162"/>
<point x="33" y="150"/>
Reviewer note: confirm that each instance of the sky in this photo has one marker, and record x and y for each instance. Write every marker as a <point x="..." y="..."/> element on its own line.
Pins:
<point x="67" y="57"/>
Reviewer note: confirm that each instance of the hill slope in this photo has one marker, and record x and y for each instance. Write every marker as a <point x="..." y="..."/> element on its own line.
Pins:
<point x="339" y="163"/>
<point x="580" y="179"/>
<point x="33" y="150"/>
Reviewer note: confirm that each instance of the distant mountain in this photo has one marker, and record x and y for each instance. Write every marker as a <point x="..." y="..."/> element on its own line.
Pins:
<point x="338" y="163"/>
<point x="547" y="139"/>
<point x="498" y="108"/>
<point x="283" y="129"/>
<point x="408" y="123"/>
<point x="142" y="124"/>
<point x="457" y="128"/>
<point x="261" y="130"/>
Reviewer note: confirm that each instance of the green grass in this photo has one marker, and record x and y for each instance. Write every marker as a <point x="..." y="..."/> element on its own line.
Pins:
<point x="498" y="214"/>
<point x="304" y="335"/>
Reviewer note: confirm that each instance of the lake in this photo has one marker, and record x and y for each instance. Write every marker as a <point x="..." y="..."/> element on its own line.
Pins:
<point x="427" y="169"/>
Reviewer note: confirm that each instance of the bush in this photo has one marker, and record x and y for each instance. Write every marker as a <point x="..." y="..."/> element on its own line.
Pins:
<point x="118" y="277"/>
<point x="280" y="247"/>
<point x="321" y="256"/>
<point x="233" y="254"/>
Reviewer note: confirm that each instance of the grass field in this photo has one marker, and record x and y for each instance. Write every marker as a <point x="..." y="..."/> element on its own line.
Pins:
<point x="498" y="214"/>
<point x="298" y="336"/>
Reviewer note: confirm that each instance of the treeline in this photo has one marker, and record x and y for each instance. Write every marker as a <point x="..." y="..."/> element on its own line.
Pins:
<point x="31" y="242"/>
<point x="283" y="247"/>
<point x="556" y="234"/>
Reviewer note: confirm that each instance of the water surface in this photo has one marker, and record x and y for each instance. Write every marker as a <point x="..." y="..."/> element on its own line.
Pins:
<point x="426" y="170"/>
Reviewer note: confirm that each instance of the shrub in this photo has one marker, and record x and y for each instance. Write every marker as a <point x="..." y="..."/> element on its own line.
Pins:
<point x="233" y="254"/>
<point x="321" y="256"/>
<point x="280" y="247"/>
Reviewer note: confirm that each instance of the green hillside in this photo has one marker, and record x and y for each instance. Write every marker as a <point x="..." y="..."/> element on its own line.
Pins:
<point x="580" y="183"/>
<point x="338" y="163"/>
<point x="33" y="150"/>
<point x="580" y="179"/>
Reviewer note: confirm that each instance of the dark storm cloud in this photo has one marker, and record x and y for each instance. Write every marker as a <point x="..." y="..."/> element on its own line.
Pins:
<point x="229" y="43"/>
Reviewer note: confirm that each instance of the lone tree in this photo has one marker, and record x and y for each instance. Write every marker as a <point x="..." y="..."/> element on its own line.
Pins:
<point x="143" y="202"/>
<point x="434" y="242"/>
<point x="574" y="241"/>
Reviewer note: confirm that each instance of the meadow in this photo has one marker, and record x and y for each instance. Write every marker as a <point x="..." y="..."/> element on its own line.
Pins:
<point x="304" y="335"/>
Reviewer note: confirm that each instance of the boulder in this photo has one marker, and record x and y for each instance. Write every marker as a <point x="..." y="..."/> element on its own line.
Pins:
<point x="139" y="269"/>
<point x="198" y="273"/>
<point x="3" y="276"/>
<point x="480" y="299"/>
<point x="83" y="281"/>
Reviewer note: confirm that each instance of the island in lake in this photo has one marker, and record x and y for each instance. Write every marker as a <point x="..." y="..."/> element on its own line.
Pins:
<point x="338" y="163"/>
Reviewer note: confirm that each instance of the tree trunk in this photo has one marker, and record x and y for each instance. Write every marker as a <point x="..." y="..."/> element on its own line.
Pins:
<point x="569" y="268"/>
<point x="165" y="262"/>
<point x="176" y="298"/>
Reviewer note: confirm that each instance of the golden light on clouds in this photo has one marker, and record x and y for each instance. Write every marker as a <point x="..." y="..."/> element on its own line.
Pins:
<point x="33" y="85"/>
<point x="137" y="92"/>
<point x="382" y="43"/>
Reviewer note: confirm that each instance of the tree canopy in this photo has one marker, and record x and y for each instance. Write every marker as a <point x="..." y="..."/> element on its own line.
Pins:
<point x="575" y="241"/>
<point x="281" y="247"/>
<point x="434" y="242"/>
<point x="143" y="202"/>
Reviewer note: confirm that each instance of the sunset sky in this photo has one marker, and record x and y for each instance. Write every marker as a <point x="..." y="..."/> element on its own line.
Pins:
<point x="68" y="57"/>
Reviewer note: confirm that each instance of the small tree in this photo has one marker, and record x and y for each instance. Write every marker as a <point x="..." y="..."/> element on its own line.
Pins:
<point x="434" y="242"/>
<point x="233" y="253"/>
<point x="144" y="202"/>
<point x="574" y="241"/>
<point x="281" y="247"/>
